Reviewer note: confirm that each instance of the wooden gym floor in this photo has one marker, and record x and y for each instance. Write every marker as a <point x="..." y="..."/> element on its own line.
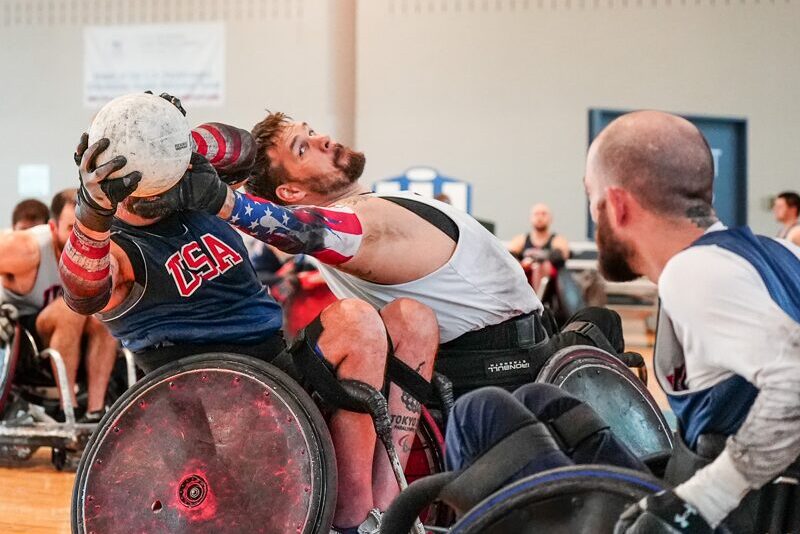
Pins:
<point x="35" y="498"/>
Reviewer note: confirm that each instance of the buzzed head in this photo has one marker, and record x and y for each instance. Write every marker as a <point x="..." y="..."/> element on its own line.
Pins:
<point x="541" y="217"/>
<point x="662" y="160"/>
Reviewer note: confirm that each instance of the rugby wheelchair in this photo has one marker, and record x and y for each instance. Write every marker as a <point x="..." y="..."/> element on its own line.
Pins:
<point x="31" y="403"/>
<point x="588" y="498"/>
<point x="223" y="442"/>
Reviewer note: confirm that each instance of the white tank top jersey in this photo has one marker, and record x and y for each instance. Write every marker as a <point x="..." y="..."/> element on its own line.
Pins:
<point x="481" y="284"/>
<point x="47" y="286"/>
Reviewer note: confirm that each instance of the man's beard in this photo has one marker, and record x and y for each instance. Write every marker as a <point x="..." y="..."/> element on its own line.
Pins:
<point x="355" y="162"/>
<point x="614" y="255"/>
<point x="541" y="227"/>
<point x="349" y="172"/>
<point x="150" y="207"/>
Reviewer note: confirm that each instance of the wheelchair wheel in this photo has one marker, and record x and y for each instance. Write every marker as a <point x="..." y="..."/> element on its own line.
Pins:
<point x="617" y="395"/>
<point x="566" y="500"/>
<point x="211" y="443"/>
<point x="427" y="458"/>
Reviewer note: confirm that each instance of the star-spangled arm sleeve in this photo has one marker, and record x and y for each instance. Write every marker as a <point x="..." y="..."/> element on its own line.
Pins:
<point x="332" y="235"/>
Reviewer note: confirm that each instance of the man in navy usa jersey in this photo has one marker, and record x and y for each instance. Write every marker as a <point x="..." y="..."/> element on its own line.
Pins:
<point x="169" y="278"/>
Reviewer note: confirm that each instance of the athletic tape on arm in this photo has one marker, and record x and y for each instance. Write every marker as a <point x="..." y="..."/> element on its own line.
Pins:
<point x="332" y="235"/>
<point x="85" y="272"/>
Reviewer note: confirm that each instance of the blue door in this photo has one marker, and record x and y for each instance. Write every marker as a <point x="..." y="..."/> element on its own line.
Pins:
<point x="728" y="141"/>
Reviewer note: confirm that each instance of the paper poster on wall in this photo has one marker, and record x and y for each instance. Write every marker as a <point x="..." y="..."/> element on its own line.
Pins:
<point x="33" y="180"/>
<point x="185" y="60"/>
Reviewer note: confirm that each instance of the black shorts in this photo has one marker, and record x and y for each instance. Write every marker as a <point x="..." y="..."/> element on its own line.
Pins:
<point x="152" y="359"/>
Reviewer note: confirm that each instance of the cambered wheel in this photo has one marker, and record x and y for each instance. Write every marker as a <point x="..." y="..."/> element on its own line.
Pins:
<point x="211" y="443"/>
<point x="427" y="458"/>
<point x="614" y="392"/>
<point x="560" y="501"/>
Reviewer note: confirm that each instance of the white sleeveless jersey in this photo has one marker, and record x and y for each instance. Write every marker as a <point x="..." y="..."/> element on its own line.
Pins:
<point x="480" y="285"/>
<point x="48" y="282"/>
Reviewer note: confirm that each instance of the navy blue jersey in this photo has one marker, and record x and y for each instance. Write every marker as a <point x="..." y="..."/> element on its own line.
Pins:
<point x="194" y="285"/>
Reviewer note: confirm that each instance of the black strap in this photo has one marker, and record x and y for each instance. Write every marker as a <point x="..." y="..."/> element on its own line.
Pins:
<point x="592" y="332"/>
<point x="429" y="214"/>
<point x="409" y="380"/>
<point x="575" y="425"/>
<point x="311" y="368"/>
<point x="489" y="472"/>
<point x="315" y="371"/>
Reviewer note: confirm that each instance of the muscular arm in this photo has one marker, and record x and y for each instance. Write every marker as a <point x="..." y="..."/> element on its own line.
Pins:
<point x="332" y="235"/>
<point x="95" y="273"/>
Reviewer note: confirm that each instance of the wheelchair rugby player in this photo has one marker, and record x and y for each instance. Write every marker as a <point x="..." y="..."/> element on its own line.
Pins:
<point x="727" y="354"/>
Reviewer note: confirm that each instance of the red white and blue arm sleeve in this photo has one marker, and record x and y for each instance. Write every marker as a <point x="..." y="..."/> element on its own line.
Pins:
<point x="85" y="270"/>
<point x="332" y="235"/>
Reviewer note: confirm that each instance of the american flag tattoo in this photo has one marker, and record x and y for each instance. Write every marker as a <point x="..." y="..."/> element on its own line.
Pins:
<point x="332" y="235"/>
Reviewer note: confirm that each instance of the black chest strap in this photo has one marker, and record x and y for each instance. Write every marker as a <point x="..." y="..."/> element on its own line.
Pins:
<point x="429" y="214"/>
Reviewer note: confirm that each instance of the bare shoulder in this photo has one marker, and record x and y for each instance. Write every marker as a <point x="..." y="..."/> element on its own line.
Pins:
<point x="368" y="208"/>
<point x="516" y="243"/>
<point x="794" y="236"/>
<point x="359" y="201"/>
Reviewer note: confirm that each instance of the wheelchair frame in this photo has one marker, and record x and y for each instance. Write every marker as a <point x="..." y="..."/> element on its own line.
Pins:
<point x="25" y="439"/>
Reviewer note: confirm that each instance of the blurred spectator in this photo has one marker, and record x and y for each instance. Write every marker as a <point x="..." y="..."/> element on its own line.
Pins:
<point x="786" y="210"/>
<point x="32" y="285"/>
<point x="540" y="241"/>
<point x="28" y="213"/>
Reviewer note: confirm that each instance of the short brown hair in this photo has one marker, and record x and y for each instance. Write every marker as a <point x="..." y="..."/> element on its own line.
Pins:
<point x="61" y="199"/>
<point x="265" y="178"/>
<point x="30" y="210"/>
<point x="792" y="200"/>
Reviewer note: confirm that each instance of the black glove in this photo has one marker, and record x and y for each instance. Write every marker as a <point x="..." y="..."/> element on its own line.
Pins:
<point x="200" y="189"/>
<point x="8" y="318"/>
<point x="99" y="195"/>
<point x="174" y="100"/>
<point x="662" y="513"/>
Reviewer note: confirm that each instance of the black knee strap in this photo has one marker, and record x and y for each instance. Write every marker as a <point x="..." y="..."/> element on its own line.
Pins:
<point x="489" y="472"/>
<point x="575" y="425"/>
<point x="408" y="379"/>
<point x="308" y="367"/>
<point x="593" y="333"/>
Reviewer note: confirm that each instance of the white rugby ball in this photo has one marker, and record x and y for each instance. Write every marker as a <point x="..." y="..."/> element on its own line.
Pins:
<point x="151" y="133"/>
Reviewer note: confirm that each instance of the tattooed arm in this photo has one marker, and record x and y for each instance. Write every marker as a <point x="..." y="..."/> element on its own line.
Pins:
<point x="332" y="235"/>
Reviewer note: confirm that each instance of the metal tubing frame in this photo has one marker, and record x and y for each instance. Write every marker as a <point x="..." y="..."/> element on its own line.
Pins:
<point x="130" y="365"/>
<point x="63" y="384"/>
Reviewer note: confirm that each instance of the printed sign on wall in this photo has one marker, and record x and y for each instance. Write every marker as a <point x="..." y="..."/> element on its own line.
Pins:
<point x="185" y="60"/>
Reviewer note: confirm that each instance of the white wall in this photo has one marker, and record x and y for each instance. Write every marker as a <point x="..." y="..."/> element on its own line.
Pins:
<point x="497" y="92"/>
<point x="290" y="55"/>
<point x="493" y="91"/>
